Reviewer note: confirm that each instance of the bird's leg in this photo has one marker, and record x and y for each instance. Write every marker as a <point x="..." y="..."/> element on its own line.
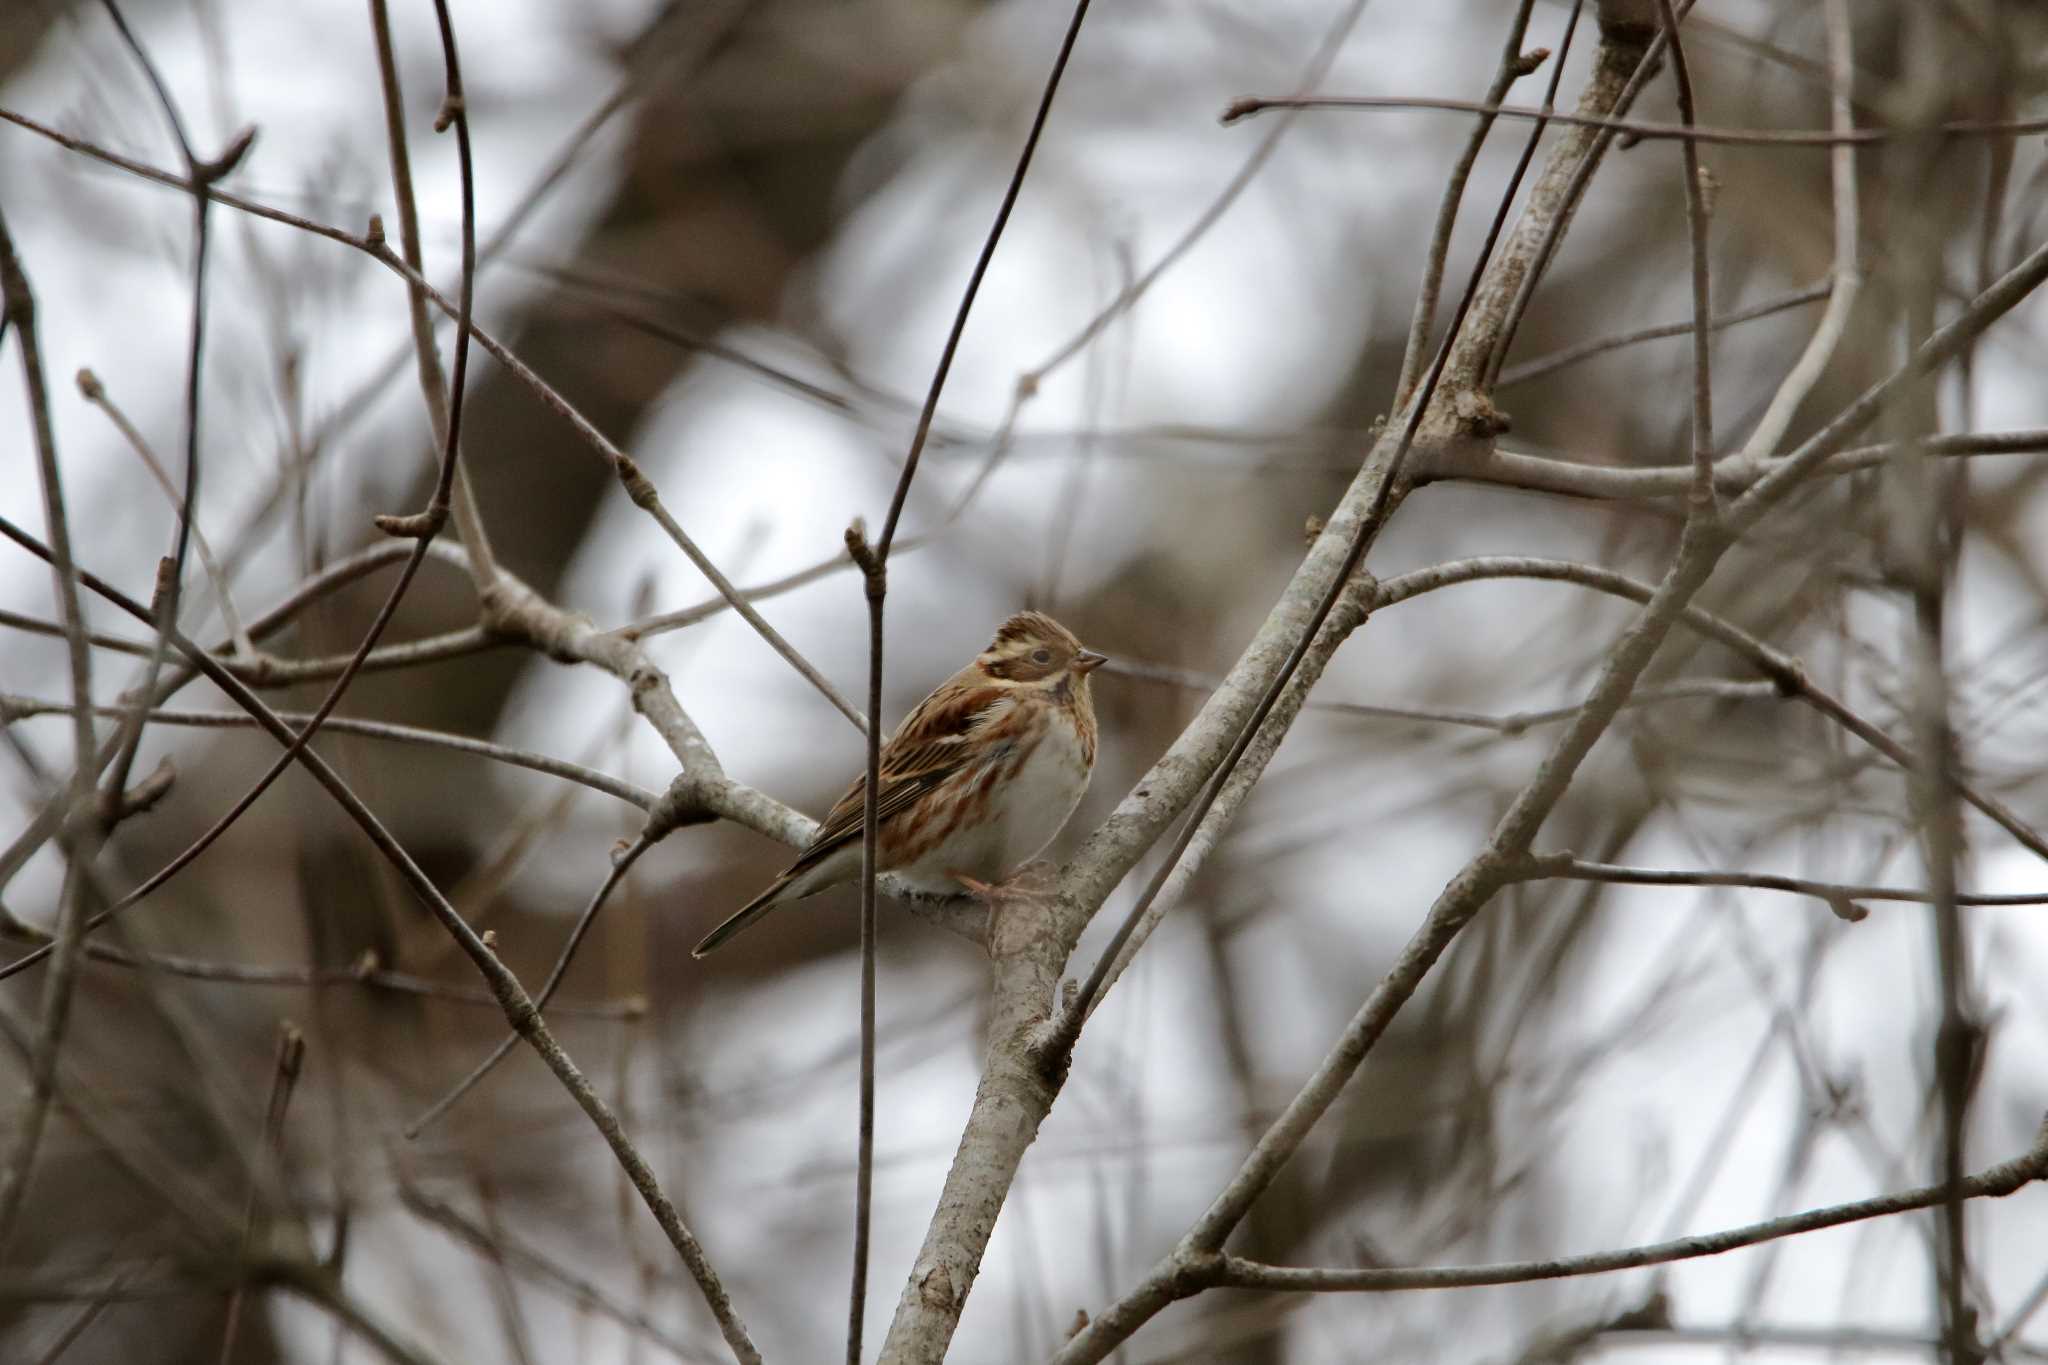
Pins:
<point x="1026" y="886"/>
<point x="990" y="894"/>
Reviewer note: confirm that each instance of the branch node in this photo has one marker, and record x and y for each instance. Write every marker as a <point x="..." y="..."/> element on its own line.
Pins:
<point x="166" y="583"/>
<point x="682" y="804"/>
<point x="1049" y="1046"/>
<point x="414" y="526"/>
<point x="1478" y="415"/>
<point x="366" y="965"/>
<point x="373" y="235"/>
<point x="114" y="807"/>
<point x="1536" y="866"/>
<point x="1529" y="61"/>
<point x="637" y="485"/>
<point x="1194" y="1270"/>
<point x="857" y="547"/>
<point x="873" y="569"/>
<point x="1312" y="528"/>
<point x="1789" y="677"/>
<point x="452" y="108"/>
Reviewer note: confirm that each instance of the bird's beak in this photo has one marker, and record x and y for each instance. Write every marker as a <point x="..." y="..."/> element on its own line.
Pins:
<point x="1087" y="661"/>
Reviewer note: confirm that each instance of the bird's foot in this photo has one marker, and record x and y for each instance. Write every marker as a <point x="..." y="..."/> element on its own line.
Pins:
<point x="1022" y="889"/>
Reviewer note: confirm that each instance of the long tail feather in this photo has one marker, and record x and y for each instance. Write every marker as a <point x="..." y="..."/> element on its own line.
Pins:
<point x="744" y="916"/>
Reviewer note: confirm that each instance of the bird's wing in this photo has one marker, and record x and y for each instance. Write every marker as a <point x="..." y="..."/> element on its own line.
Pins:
<point x="941" y="737"/>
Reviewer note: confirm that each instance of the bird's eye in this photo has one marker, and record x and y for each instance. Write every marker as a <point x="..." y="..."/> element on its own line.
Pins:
<point x="1041" y="656"/>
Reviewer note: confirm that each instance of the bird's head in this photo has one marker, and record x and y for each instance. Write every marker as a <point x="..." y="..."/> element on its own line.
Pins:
<point x="1031" y="650"/>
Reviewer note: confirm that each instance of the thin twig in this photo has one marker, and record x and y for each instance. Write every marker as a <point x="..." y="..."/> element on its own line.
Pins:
<point x="1512" y="67"/>
<point x="15" y="708"/>
<point x="1730" y="137"/>
<point x="1586" y="350"/>
<point x="1785" y="671"/>
<point x="1702" y="501"/>
<point x="269" y="671"/>
<point x="1629" y="54"/>
<point x="578" y="1287"/>
<point x="96" y="393"/>
<point x="291" y="1054"/>
<point x="364" y="973"/>
<point x="1846" y="274"/>
<point x="874" y="564"/>
<point x="838" y="562"/>
<point x="76" y="1328"/>
<point x="1578" y="479"/>
<point x="1032" y="381"/>
<point x="1844" y="896"/>
<point x="622" y="861"/>
<point x="641" y="490"/>
<point x="18" y="314"/>
<point x="199" y="178"/>
<point x="1512" y="725"/>
<point x="1995" y="1182"/>
<point x="433" y="384"/>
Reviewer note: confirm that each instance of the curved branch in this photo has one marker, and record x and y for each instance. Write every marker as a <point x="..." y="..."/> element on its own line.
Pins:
<point x="1995" y="1182"/>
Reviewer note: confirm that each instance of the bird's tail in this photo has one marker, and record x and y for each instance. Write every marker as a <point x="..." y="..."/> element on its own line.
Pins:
<point x="744" y="916"/>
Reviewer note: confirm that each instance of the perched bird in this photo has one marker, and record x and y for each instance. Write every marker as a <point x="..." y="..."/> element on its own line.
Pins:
<point x="977" y="781"/>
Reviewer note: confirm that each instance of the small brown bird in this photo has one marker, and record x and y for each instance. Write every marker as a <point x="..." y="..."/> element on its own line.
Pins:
<point x="981" y="776"/>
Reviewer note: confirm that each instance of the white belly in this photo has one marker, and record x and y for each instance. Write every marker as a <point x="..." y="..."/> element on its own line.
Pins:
<point x="1026" y="811"/>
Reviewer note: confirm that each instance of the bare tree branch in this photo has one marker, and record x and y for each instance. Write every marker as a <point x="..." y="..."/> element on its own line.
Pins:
<point x="1995" y="1182"/>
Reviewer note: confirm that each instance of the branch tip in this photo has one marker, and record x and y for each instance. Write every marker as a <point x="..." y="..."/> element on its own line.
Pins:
<point x="1850" y="911"/>
<point x="221" y="167"/>
<point x="89" y="386"/>
<point x="1242" y="107"/>
<point x="862" y="553"/>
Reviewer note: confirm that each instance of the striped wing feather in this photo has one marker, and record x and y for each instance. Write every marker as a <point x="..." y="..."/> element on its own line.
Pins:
<point x="935" y="742"/>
